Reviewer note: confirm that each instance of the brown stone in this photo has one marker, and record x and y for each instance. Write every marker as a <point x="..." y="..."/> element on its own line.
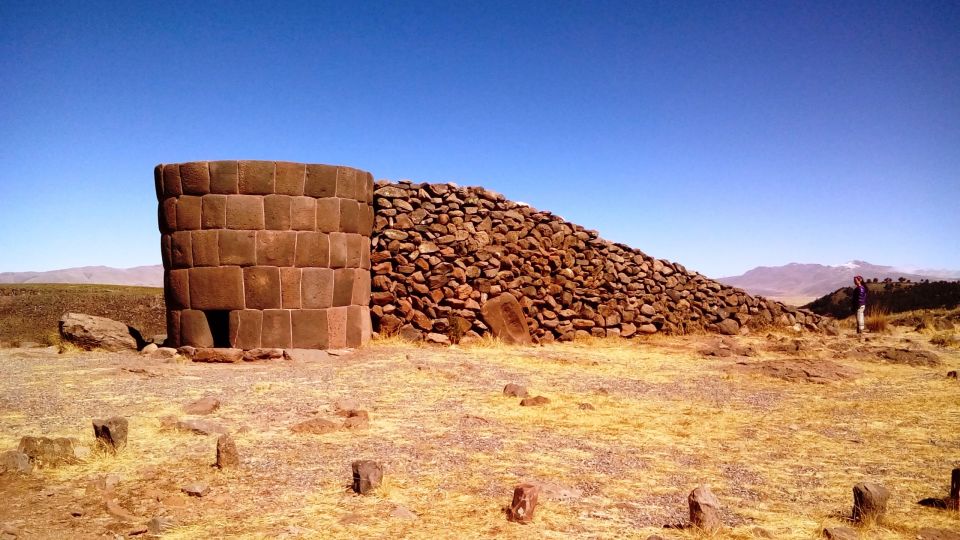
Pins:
<point x="954" y="499"/>
<point x="245" y="328"/>
<point x="227" y="456"/>
<point x="355" y="245"/>
<point x="367" y="476"/>
<point x="90" y="332"/>
<point x="224" y="177"/>
<point x="290" y="288"/>
<point x="869" y="502"/>
<point x="194" y="329"/>
<point x="349" y="216"/>
<point x="931" y="533"/>
<point x="704" y="510"/>
<point x="361" y="288"/>
<point x="309" y="328"/>
<point x="217" y="355"/>
<point x="840" y="533"/>
<point x="206" y="248"/>
<point x="111" y="433"/>
<point x="321" y="181"/>
<point x="343" y="283"/>
<point x="358" y="326"/>
<point x="276" y="329"/>
<point x="515" y="390"/>
<point x="204" y="405"/>
<point x="276" y="212"/>
<point x="328" y="215"/>
<point x="524" y="503"/>
<point x="365" y="226"/>
<point x="49" y="452"/>
<point x="238" y="248"/>
<point x="506" y="319"/>
<point x="188" y="212"/>
<point x="171" y="180"/>
<point x="219" y="288"/>
<point x="213" y="211"/>
<point x="337" y="327"/>
<point x="315" y="426"/>
<point x="346" y="182"/>
<point x="181" y="249"/>
<point x="290" y="178"/>
<point x="244" y="212"/>
<point x="276" y="248"/>
<point x="256" y="177"/>
<point x="534" y="401"/>
<point x="317" y="288"/>
<point x="338" y="250"/>
<point x="728" y="327"/>
<point x="312" y="250"/>
<point x="168" y="215"/>
<point x="303" y="213"/>
<point x="195" y="178"/>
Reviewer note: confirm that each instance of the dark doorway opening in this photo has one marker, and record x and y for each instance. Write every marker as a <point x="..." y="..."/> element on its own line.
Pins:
<point x="219" y="322"/>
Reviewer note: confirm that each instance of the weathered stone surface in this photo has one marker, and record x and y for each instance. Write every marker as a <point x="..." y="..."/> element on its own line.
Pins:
<point x="316" y="426"/>
<point x="704" y="509"/>
<point x="200" y="427"/>
<point x="534" y="401"/>
<point x="217" y="355"/>
<point x="196" y="489"/>
<point x="506" y="319"/>
<point x="111" y="433"/>
<point x="227" y="456"/>
<point x="524" y="503"/>
<point x="799" y="370"/>
<point x="367" y="475"/>
<point x="840" y="533"/>
<point x="90" y="332"/>
<point x="728" y="327"/>
<point x="931" y="533"/>
<point x="50" y="452"/>
<point x="254" y="355"/>
<point x="15" y="461"/>
<point x="204" y="405"/>
<point x="954" y="499"/>
<point x="869" y="501"/>
<point x="515" y="390"/>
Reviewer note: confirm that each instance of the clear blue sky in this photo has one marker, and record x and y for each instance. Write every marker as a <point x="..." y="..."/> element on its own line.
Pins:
<point x="721" y="135"/>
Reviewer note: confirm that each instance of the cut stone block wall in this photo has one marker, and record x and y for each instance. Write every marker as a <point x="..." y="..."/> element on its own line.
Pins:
<point x="265" y="253"/>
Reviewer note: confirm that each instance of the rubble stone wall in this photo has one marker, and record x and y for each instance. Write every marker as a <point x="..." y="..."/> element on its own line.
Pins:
<point x="441" y="251"/>
<point x="265" y="253"/>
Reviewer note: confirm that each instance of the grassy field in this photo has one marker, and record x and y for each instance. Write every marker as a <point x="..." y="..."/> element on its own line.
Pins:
<point x="631" y="428"/>
<point x="29" y="313"/>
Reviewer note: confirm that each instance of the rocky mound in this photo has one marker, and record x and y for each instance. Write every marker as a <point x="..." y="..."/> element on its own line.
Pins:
<point x="441" y="251"/>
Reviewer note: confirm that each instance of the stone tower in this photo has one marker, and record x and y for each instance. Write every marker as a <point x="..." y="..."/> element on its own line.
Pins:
<point x="265" y="254"/>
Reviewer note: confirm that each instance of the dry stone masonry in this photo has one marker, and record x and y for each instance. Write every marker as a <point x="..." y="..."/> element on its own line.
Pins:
<point x="265" y="254"/>
<point x="441" y="252"/>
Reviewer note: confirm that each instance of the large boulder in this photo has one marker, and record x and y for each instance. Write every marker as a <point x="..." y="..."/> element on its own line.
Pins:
<point x="505" y="318"/>
<point x="90" y="332"/>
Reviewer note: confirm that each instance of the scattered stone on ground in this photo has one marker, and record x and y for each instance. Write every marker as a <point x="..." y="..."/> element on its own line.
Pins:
<point x="534" y="401"/>
<point x="149" y="348"/>
<point x="159" y="525"/>
<point x="356" y="419"/>
<point x="436" y="338"/>
<point x="316" y="426"/>
<point x="506" y="320"/>
<point x="799" y="370"/>
<point x="952" y="374"/>
<point x="524" y="503"/>
<point x="586" y="406"/>
<point x="50" y="452"/>
<point x="704" y="509"/>
<point x="930" y="533"/>
<point x="515" y="390"/>
<point x="200" y="427"/>
<point x="227" y="456"/>
<point x="204" y="405"/>
<point x="934" y="502"/>
<point x="116" y="510"/>
<point x="111" y="433"/>
<point x="728" y="327"/>
<point x="344" y="405"/>
<point x="869" y="502"/>
<point x="401" y="512"/>
<point x="912" y="357"/>
<point x="306" y="355"/>
<point x="15" y="461"/>
<point x="89" y="332"/>
<point x="367" y="475"/>
<point x="196" y="489"/>
<point x="840" y="533"/>
<point x="217" y="355"/>
<point x="254" y="355"/>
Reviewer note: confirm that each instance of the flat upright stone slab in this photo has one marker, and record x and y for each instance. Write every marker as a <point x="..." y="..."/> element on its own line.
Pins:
<point x="505" y="318"/>
<point x="227" y="456"/>
<point x="367" y="475"/>
<point x="704" y="509"/>
<point x="524" y="503"/>
<point x="111" y="433"/>
<point x="869" y="501"/>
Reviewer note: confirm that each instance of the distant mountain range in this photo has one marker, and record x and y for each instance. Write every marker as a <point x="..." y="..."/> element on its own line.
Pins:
<point x="145" y="276"/>
<point x="797" y="280"/>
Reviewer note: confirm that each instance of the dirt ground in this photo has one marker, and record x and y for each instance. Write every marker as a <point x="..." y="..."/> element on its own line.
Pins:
<point x="779" y="426"/>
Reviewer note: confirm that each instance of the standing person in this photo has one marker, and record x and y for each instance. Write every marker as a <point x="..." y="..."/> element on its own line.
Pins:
<point x="860" y="295"/>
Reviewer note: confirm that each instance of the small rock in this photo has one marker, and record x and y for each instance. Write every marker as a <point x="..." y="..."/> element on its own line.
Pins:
<point x="840" y="533"/>
<point x="403" y="513"/>
<point x="952" y="374"/>
<point x="934" y="502"/>
<point x="316" y="426"/>
<point x="869" y="501"/>
<point x="515" y="390"/>
<point x="201" y="427"/>
<point x="534" y="401"/>
<point x="357" y="419"/>
<point x="306" y="355"/>
<point x="217" y="355"/>
<point x="704" y="509"/>
<point x="930" y="533"/>
<point x="150" y="348"/>
<point x="254" y="355"/>
<point x="50" y="452"/>
<point x="163" y="353"/>
<point x="204" y="405"/>
<point x="586" y="406"/>
<point x="343" y="406"/>
<point x="138" y="530"/>
<point x="524" y="503"/>
<point x="367" y="475"/>
<point x="196" y="489"/>
<point x="111" y="433"/>
<point x="728" y="327"/>
<point x="117" y="511"/>
<point x="159" y="525"/>
<point x="227" y="456"/>
<point x="15" y="461"/>
<point x="439" y="339"/>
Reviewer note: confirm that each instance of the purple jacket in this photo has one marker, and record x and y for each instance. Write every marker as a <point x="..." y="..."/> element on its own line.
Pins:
<point x="862" y="295"/>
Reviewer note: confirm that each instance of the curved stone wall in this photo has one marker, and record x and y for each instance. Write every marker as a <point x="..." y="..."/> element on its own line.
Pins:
<point x="265" y="253"/>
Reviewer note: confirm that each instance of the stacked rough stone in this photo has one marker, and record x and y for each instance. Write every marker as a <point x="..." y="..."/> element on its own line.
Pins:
<point x="441" y="251"/>
<point x="265" y="254"/>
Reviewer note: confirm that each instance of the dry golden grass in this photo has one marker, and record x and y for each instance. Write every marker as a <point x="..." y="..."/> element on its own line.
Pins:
<point x="877" y="320"/>
<point x="780" y="456"/>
